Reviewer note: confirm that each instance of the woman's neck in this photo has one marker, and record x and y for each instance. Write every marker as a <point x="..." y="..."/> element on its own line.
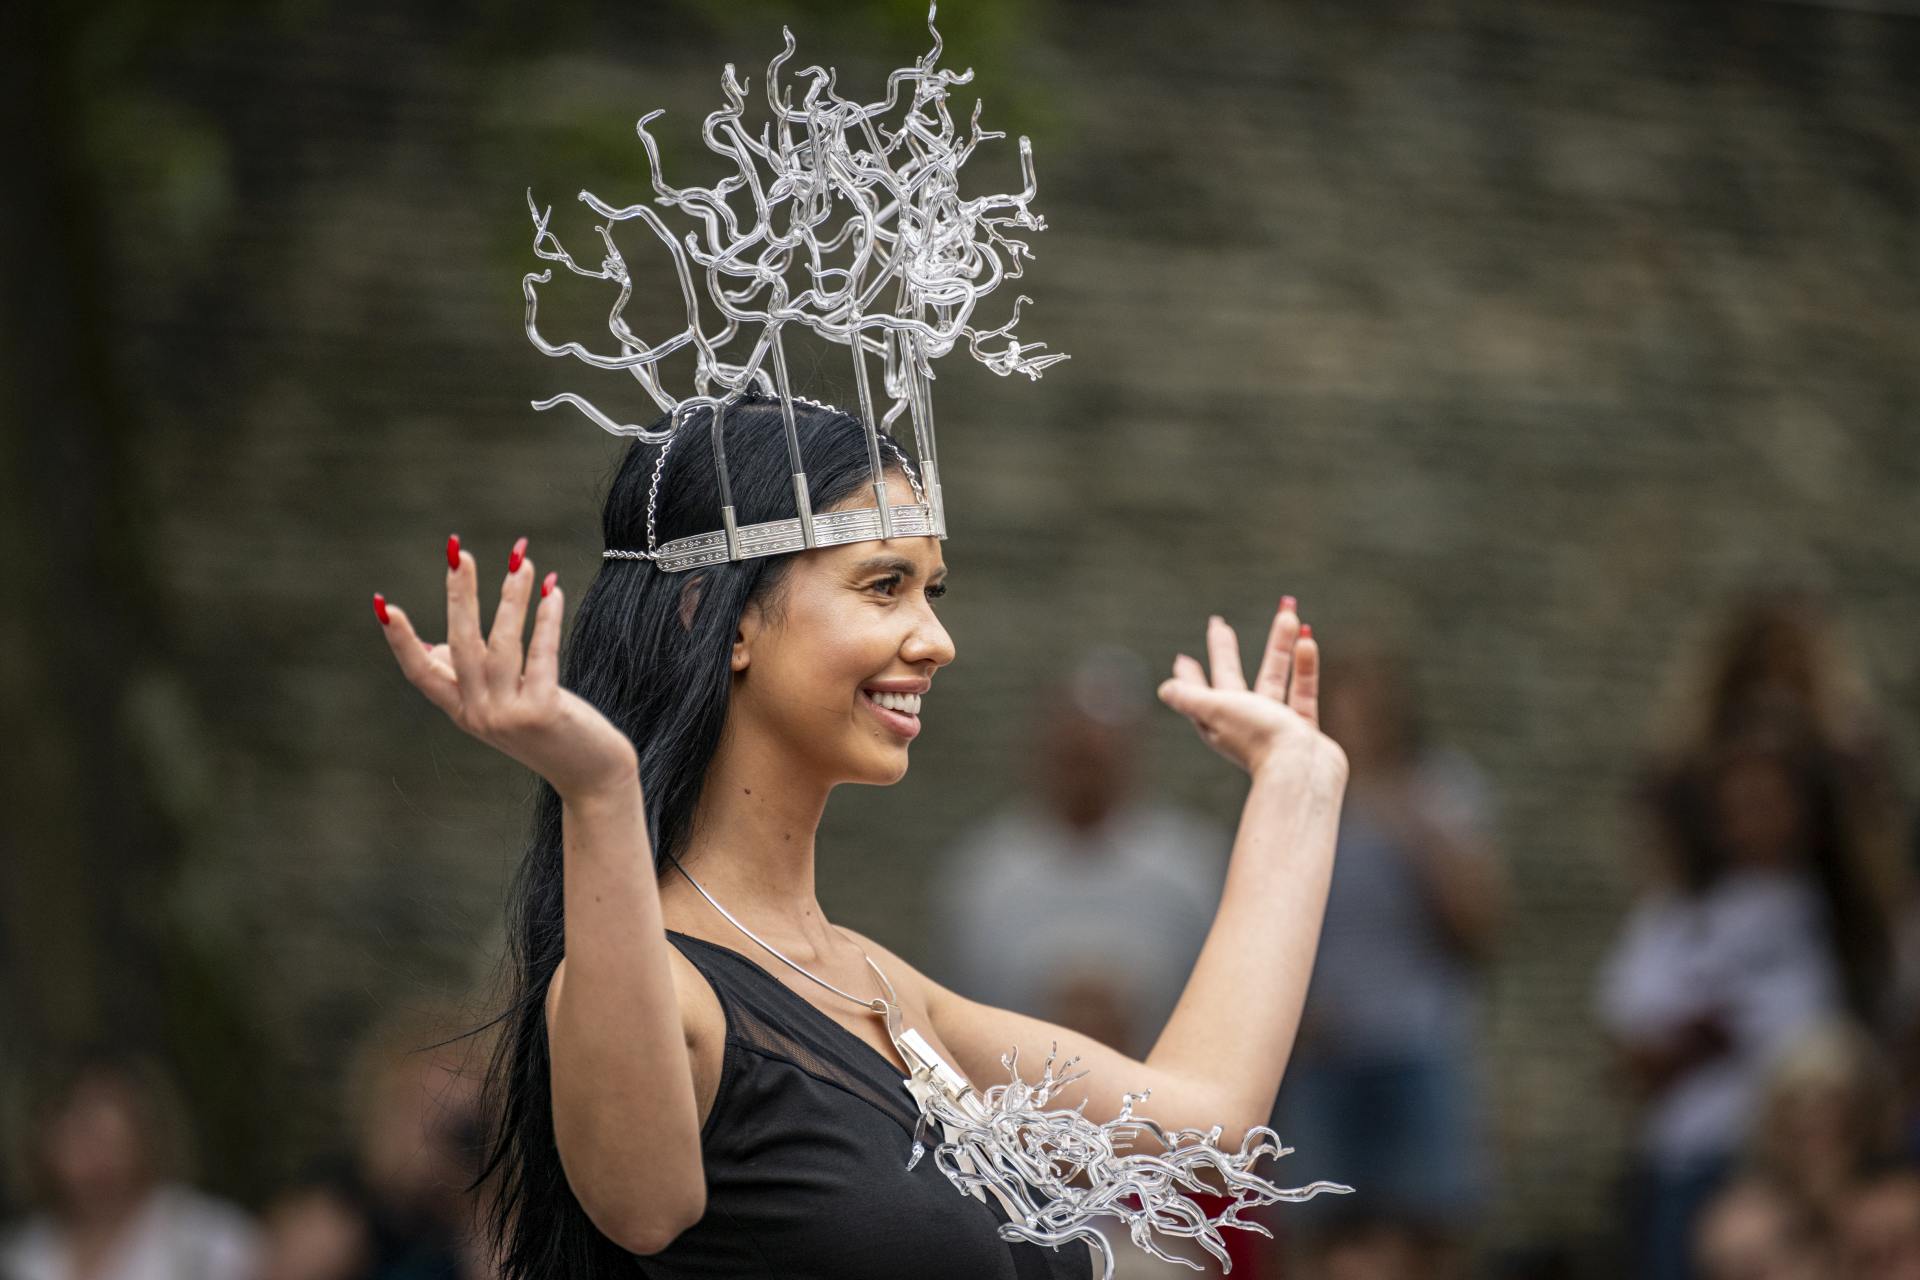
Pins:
<point x="752" y="848"/>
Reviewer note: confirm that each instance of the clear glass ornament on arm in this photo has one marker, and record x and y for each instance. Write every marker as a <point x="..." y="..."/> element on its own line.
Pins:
<point x="1009" y="1144"/>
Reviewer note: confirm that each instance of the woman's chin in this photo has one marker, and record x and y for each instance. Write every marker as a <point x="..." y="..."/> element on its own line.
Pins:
<point x="884" y="771"/>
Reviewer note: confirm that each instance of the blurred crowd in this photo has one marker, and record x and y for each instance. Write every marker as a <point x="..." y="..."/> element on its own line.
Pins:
<point x="1759" y="998"/>
<point x="108" y="1170"/>
<point x="1762" y="995"/>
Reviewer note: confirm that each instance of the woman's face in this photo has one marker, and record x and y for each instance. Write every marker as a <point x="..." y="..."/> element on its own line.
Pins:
<point x="855" y="631"/>
<point x="1761" y="816"/>
<point x="95" y="1148"/>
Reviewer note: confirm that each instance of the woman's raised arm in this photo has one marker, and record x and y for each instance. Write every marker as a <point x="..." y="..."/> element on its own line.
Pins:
<point x="624" y="1112"/>
<point x="1236" y="1020"/>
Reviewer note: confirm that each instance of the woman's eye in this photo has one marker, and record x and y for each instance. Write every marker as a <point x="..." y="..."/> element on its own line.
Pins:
<point x="888" y="583"/>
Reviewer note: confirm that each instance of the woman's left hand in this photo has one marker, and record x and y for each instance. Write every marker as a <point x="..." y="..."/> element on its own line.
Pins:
<point x="1275" y="725"/>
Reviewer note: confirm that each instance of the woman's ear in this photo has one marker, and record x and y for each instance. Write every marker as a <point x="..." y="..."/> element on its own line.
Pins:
<point x="690" y="599"/>
<point x="750" y="620"/>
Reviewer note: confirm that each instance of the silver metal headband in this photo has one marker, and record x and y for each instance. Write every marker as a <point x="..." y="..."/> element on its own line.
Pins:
<point x="777" y="535"/>
<point x="848" y="209"/>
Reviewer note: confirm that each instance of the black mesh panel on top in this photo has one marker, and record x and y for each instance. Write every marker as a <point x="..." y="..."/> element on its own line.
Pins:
<point x="762" y="1017"/>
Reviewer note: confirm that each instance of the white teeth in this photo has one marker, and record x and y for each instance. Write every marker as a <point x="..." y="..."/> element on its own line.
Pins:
<point x="904" y="702"/>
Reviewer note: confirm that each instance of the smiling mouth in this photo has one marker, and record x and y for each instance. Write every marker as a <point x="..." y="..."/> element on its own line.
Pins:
<point x="904" y="723"/>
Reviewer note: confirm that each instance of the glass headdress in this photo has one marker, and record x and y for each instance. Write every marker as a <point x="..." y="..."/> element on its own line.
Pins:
<point x="855" y="230"/>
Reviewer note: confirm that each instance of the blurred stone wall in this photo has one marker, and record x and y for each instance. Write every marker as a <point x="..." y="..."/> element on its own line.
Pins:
<point x="1528" y="333"/>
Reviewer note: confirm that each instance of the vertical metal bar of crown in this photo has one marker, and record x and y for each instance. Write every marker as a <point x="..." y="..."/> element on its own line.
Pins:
<point x="873" y="433"/>
<point x="921" y="403"/>
<point x="802" y="503"/>
<point x="726" y="485"/>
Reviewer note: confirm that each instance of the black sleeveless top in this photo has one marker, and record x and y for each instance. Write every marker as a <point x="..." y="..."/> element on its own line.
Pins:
<point x="806" y="1151"/>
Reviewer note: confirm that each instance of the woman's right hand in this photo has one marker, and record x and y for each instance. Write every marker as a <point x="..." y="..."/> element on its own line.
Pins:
<point x="486" y="689"/>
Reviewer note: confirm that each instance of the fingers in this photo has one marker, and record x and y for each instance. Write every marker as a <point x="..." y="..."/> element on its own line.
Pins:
<point x="1305" y="697"/>
<point x="463" y="624"/>
<point x="1277" y="662"/>
<point x="1188" y="693"/>
<point x="1223" y="654"/>
<point x="543" y="654"/>
<point x="1191" y="696"/>
<point x="431" y="677"/>
<point x="1188" y="676"/>
<point x="506" y="640"/>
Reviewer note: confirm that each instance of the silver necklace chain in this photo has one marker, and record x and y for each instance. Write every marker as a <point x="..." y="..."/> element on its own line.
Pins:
<point x="875" y="1005"/>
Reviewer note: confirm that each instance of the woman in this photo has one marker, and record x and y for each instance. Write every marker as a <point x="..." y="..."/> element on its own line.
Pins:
<point x="1758" y="925"/>
<point x="663" y="1095"/>
<point x="109" y="1166"/>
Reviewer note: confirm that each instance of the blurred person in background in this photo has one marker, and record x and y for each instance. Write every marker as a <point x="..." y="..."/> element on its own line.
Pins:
<point x="1752" y="1230"/>
<point x="1024" y="905"/>
<point x="415" y="1116"/>
<point x="319" y="1228"/>
<point x="1773" y="817"/>
<point x="1826" y="1119"/>
<point x="1384" y="1089"/>
<point x="109" y="1168"/>
<point x="1880" y="1228"/>
<point x="1760" y="920"/>
<point x="1777" y="666"/>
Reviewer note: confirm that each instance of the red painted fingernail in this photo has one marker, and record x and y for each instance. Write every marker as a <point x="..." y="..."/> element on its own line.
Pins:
<point x="552" y="577"/>
<point x="453" y="551"/>
<point x="1306" y="631"/>
<point x="1286" y="603"/>
<point x="519" y="554"/>
<point x="380" y="608"/>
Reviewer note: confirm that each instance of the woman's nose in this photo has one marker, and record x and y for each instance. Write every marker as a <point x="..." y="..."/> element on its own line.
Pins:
<point x="929" y="642"/>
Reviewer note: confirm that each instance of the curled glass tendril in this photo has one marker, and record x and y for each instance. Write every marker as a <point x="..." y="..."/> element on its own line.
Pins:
<point x="1010" y="1144"/>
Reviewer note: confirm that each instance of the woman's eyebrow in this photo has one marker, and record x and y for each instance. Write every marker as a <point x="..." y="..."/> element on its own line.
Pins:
<point x="898" y="564"/>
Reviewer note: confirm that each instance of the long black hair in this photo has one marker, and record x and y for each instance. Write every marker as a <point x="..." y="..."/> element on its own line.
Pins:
<point x="1840" y="857"/>
<point x="651" y="651"/>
